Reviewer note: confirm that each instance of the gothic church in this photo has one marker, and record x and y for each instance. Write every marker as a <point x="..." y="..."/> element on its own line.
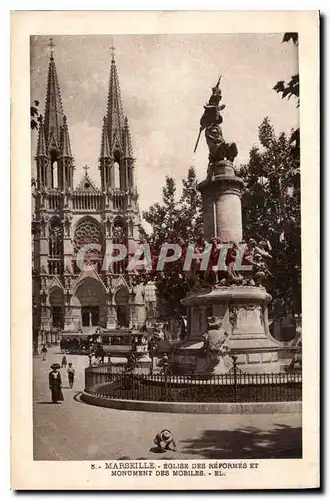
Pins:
<point x="66" y="218"/>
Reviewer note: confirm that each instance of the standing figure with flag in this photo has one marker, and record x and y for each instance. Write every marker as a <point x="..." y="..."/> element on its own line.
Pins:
<point x="211" y="122"/>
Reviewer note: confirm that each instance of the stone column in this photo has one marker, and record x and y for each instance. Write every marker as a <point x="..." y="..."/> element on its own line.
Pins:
<point x="130" y="315"/>
<point x="221" y="196"/>
<point x="68" y="319"/>
<point x="67" y="242"/>
<point x="43" y="243"/>
<point x="111" y="315"/>
<point x="44" y="313"/>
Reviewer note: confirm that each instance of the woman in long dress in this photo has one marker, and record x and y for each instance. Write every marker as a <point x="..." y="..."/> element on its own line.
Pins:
<point x="55" y="383"/>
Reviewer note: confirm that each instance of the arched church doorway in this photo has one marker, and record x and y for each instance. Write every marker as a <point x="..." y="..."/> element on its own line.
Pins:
<point x="122" y="307"/>
<point x="91" y="297"/>
<point x="56" y="300"/>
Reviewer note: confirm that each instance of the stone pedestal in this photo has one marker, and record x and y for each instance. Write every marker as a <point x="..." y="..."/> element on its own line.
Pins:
<point x="244" y="316"/>
<point x="221" y="195"/>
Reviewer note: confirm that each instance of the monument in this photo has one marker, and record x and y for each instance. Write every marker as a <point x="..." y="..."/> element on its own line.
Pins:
<point x="231" y="316"/>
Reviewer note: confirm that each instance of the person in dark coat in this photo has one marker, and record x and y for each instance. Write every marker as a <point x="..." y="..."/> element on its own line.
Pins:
<point x="64" y="362"/>
<point x="55" y="383"/>
<point x="44" y="353"/>
<point x="71" y="373"/>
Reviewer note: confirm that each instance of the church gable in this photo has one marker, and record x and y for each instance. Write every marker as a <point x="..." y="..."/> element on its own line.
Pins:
<point x="55" y="283"/>
<point x="116" y="142"/>
<point x="52" y="142"/>
<point x="88" y="272"/>
<point x="86" y="185"/>
<point x="121" y="282"/>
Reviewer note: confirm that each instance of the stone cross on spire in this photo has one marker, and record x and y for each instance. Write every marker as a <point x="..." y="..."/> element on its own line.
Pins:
<point x="51" y="45"/>
<point x="86" y="168"/>
<point x="113" y="50"/>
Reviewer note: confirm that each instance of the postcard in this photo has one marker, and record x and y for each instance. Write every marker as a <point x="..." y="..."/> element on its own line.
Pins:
<point x="165" y="193"/>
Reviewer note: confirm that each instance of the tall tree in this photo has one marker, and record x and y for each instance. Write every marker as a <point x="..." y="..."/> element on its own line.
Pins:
<point x="271" y="210"/>
<point x="291" y="87"/>
<point x="190" y="208"/>
<point x="173" y="221"/>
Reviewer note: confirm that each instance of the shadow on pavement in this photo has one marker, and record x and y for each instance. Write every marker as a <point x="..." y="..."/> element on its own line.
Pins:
<point x="125" y="457"/>
<point x="156" y="450"/>
<point x="283" y="441"/>
<point x="48" y="403"/>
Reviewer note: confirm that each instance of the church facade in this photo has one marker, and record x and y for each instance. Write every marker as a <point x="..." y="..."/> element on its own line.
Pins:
<point x="68" y="296"/>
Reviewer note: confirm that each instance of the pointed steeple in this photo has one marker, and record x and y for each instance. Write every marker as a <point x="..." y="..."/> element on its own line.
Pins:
<point x="65" y="149"/>
<point x="41" y="157"/>
<point x="115" y="115"/>
<point x="56" y="167"/>
<point x="41" y="147"/>
<point x="127" y="143"/>
<point x="53" y="119"/>
<point x="116" y="146"/>
<point x="105" y="148"/>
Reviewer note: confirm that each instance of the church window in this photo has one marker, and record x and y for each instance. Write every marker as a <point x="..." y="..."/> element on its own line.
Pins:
<point x="55" y="246"/>
<point x="55" y="175"/>
<point x="116" y="176"/>
<point x="88" y="232"/>
<point x="119" y="236"/>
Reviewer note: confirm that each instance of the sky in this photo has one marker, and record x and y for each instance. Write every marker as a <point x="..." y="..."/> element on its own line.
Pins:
<point x="165" y="81"/>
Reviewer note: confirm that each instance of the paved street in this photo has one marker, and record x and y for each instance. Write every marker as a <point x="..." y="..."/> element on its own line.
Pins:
<point x="74" y="430"/>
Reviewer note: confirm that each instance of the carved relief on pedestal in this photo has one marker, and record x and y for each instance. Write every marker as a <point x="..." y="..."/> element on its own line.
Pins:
<point x="233" y="312"/>
<point x="216" y="347"/>
<point x="248" y="318"/>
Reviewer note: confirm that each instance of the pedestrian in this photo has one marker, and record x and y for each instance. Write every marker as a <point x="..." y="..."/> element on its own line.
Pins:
<point x="44" y="352"/>
<point x="164" y="439"/>
<point x="90" y="356"/>
<point x="64" y="362"/>
<point x="55" y="383"/>
<point x="71" y="373"/>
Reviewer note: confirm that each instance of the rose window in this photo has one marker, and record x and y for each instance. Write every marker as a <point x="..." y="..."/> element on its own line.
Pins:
<point x="88" y="233"/>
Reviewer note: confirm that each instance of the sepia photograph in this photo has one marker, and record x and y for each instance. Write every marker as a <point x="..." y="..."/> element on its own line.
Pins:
<point x="166" y="251"/>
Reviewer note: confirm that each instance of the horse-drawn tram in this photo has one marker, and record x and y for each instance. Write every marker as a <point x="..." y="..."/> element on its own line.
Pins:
<point x="118" y="342"/>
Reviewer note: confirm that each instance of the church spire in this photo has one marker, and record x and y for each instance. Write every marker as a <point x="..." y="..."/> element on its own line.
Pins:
<point x="127" y="143"/>
<point x="53" y="119"/>
<point x="115" y="115"/>
<point x="41" y="147"/>
<point x="54" y="157"/>
<point x="65" y="149"/>
<point x="116" y="147"/>
<point x="105" y="148"/>
<point x="41" y="157"/>
<point x="106" y="160"/>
